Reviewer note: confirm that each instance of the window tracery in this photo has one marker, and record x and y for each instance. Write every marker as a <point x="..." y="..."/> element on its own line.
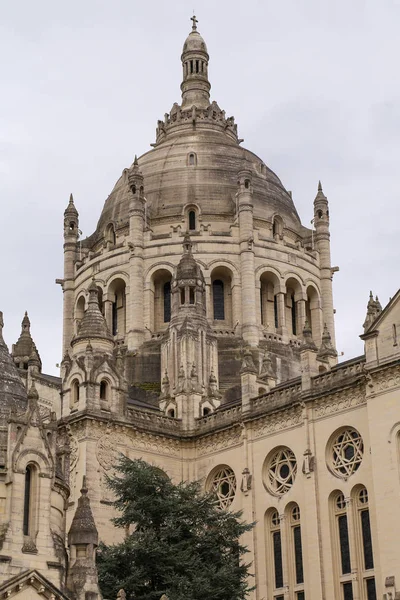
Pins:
<point x="280" y="472"/>
<point x="347" y="449"/>
<point x="223" y="484"/>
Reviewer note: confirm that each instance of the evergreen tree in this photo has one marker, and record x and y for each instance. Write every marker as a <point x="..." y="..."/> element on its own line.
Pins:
<point x="179" y="543"/>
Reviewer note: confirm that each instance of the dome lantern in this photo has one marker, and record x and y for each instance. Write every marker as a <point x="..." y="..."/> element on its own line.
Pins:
<point x="195" y="85"/>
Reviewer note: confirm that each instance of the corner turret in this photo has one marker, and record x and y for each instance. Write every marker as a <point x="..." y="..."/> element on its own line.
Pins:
<point x="71" y="236"/>
<point x="24" y="351"/>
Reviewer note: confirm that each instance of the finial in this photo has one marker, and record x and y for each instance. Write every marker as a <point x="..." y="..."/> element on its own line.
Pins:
<point x="195" y="21"/>
<point x="84" y="489"/>
<point x="71" y="198"/>
<point x="135" y="162"/>
<point x="319" y="186"/>
<point x="33" y="392"/>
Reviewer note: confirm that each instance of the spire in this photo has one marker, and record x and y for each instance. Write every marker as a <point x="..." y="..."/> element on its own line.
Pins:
<point x="308" y="342"/>
<point x="195" y="85"/>
<point x="24" y="350"/>
<point x="320" y="194"/>
<point x="93" y="324"/>
<point x="326" y="350"/>
<point x="12" y="391"/>
<point x="319" y="186"/>
<point x="71" y="209"/>
<point x="83" y="529"/>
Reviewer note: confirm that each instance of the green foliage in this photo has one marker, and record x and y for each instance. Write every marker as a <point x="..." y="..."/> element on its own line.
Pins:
<point x="180" y="544"/>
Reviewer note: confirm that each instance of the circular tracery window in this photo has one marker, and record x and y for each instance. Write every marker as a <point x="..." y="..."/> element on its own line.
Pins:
<point x="280" y="471"/>
<point x="347" y="449"/>
<point x="223" y="484"/>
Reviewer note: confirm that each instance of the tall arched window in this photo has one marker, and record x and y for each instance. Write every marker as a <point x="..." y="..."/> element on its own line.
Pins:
<point x="110" y="234"/>
<point x="167" y="301"/>
<point x="27" y="499"/>
<point x="297" y="550"/>
<point x="30" y="496"/>
<point x="218" y="300"/>
<point x="364" y="537"/>
<point x="192" y="220"/>
<point x="293" y="315"/>
<point x="104" y="390"/>
<point x="276" y="546"/>
<point x="342" y="543"/>
<point x="75" y="391"/>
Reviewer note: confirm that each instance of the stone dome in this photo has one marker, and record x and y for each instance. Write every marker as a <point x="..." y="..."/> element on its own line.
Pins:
<point x="194" y="43"/>
<point x="196" y="160"/>
<point x="13" y="394"/>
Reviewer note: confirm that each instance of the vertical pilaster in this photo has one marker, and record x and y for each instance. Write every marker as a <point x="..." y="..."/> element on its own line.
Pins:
<point x="322" y="241"/>
<point x="135" y="307"/>
<point x="71" y="232"/>
<point x="250" y="331"/>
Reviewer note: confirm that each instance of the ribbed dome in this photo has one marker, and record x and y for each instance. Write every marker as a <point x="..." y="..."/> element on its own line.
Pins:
<point x="12" y="391"/>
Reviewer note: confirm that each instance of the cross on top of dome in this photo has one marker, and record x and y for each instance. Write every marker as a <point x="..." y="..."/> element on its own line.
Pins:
<point x="194" y="24"/>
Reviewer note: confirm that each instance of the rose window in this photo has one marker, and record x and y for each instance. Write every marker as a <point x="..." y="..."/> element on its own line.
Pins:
<point x="281" y="471"/>
<point x="347" y="451"/>
<point x="223" y="484"/>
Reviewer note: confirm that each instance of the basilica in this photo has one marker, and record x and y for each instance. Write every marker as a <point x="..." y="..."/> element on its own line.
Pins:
<point x="199" y="335"/>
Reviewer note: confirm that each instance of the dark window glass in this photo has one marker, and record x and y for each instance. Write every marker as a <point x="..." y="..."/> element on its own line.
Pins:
<point x="261" y="304"/>
<point x="298" y="554"/>
<point x="344" y="544"/>
<point x="300" y="596"/>
<point x="183" y="296"/>
<point x="167" y="302"/>
<point x="348" y="591"/>
<point x="279" y="598"/>
<point x="27" y="499"/>
<point x="114" y="318"/>
<point x="276" y="536"/>
<point x="294" y="328"/>
<point x="367" y="540"/>
<point x="103" y="390"/>
<point x="276" y="311"/>
<point x="371" y="590"/>
<point x="218" y="300"/>
<point x="191" y="295"/>
<point x="192" y="214"/>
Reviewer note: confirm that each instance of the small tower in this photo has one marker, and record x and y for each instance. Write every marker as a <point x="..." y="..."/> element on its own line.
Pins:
<point x="322" y="242"/>
<point x="245" y="205"/>
<point x="189" y="360"/>
<point x="195" y="85"/>
<point x="83" y="539"/>
<point x="137" y="225"/>
<point x="24" y="350"/>
<point x="327" y="353"/>
<point x="374" y="308"/>
<point x="71" y="235"/>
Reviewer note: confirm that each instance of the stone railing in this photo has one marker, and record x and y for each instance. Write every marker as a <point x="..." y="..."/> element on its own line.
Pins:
<point x="277" y="398"/>
<point x="154" y="421"/>
<point x="340" y="373"/>
<point x="220" y="418"/>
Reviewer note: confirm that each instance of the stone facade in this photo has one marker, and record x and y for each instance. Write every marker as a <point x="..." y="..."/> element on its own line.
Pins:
<point x="199" y="335"/>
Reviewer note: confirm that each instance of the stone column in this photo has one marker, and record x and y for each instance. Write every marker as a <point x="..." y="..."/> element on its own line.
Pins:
<point x="280" y="300"/>
<point x="250" y="331"/>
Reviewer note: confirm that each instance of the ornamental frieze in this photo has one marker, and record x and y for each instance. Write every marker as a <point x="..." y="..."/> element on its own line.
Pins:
<point x="278" y="421"/>
<point x="338" y="403"/>
<point x="219" y="441"/>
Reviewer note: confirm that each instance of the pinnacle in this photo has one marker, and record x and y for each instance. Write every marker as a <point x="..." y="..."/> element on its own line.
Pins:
<point x="319" y="186"/>
<point x="33" y="393"/>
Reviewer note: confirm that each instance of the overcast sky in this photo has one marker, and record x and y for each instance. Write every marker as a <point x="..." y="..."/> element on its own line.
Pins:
<point x="313" y="84"/>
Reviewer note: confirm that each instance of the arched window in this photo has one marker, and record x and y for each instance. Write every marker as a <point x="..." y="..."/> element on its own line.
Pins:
<point x="295" y="540"/>
<point x="104" y="390"/>
<point x="192" y="220"/>
<point x="192" y="159"/>
<point x="167" y="301"/>
<point x="276" y="544"/>
<point x="171" y="413"/>
<point x="116" y="293"/>
<point x="269" y="284"/>
<point x="30" y="495"/>
<point x="75" y="391"/>
<point x="364" y="537"/>
<point x="218" y="300"/>
<point x="191" y="295"/>
<point x="342" y="543"/>
<point x="206" y="411"/>
<point x="293" y="315"/>
<point x="110" y="234"/>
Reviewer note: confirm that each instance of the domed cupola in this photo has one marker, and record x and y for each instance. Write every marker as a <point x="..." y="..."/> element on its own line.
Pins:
<point x="93" y="327"/>
<point x="195" y="85"/>
<point x="12" y="391"/>
<point x="188" y="285"/>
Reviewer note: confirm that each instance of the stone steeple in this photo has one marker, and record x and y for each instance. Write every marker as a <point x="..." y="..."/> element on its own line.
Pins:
<point x="25" y="349"/>
<point x="195" y="85"/>
<point x="83" y="540"/>
<point x="93" y="325"/>
<point x="12" y="391"/>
